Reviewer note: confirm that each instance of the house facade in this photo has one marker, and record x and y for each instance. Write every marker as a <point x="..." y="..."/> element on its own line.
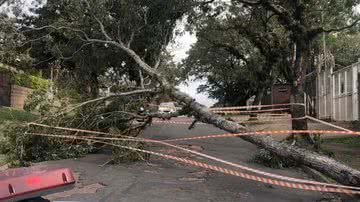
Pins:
<point x="338" y="93"/>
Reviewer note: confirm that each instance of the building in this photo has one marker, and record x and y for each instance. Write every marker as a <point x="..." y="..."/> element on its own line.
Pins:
<point x="337" y="93"/>
<point x="278" y="94"/>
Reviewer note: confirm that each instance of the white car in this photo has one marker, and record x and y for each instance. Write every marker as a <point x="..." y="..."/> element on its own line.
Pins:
<point x="167" y="108"/>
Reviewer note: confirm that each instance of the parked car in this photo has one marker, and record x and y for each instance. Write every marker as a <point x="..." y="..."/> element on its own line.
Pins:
<point x="167" y="108"/>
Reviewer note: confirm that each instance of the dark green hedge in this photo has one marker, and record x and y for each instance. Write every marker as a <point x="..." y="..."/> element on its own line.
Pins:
<point x="25" y="80"/>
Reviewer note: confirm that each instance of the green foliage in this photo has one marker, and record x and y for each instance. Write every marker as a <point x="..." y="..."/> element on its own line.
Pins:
<point x="14" y="115"/>
<point x="23" y="79"/>
<point x="120" y="155"/>
<point x="29" y="81"/>
<point x="228" y="62"/>
<point x="37" y="101"/>
<point x="271" y="160"/>
<point x="345" y="47"/>
<point x="146" y="26"/>
<point x="11" y="40"/>
<point x="348" y="141"/>
<point x="21" y="148"/>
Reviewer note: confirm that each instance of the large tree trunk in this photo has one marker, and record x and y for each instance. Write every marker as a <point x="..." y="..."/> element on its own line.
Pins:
<point x="298" y="112"/>
<point x="257" y="101"/>
<point x="94" y="85"/>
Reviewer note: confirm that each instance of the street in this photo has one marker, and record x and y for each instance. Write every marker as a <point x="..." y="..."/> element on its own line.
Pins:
<point x="163" y="180"/>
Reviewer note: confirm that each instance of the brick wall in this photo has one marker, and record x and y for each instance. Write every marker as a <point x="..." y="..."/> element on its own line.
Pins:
<point x="18" y="96"/>
<point x="5" y="89"/>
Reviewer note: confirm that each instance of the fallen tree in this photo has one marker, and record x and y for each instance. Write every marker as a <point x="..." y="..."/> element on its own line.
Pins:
<point x="328" y="166"/>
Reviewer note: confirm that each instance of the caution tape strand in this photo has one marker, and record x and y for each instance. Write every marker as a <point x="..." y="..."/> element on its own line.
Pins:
<point x="257" y="106"/>
<point x="275" y="132"/>
<point x="253" y="111"/>
<point x="220" y="169"/>
<point x="165" y="142"/>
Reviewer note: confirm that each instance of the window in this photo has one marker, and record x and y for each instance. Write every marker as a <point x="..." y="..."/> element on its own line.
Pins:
<point x="328" y="85"/>
<point x="349" y="85"/>
<point x="342" y="87"/>
<point x="336" y="78"/>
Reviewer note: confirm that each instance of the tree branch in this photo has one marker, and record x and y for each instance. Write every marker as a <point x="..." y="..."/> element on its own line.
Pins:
<point x="251" y="3"/>
<point x="102" y="27"/>
<point x="77" y="51"/>
<point x="29" y="29"/>
<point x="285" y="17"/>
<point x="228" y="48"/>
<point x="101" y="99"/>
<point x="319" y="30"/>
<point x="3" y="2"/>
<point x="133" y="115"/>
<point x="130" y="40"/>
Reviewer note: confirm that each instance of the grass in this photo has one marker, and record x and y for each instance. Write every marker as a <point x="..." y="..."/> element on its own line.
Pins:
<point x="9" y="114"/>
<point x="349" y="141"/>
<point x="344" y="149"/>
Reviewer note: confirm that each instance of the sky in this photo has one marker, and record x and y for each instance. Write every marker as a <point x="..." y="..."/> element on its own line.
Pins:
<point x="179" y="51"/>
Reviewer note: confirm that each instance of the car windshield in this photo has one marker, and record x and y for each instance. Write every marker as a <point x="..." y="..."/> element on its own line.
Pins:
<point x="170" y="104"/>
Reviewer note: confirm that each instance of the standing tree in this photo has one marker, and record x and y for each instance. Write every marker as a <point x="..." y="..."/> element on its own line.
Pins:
<point x="328" y="166"/>
<point x="230" y="65"/>
<point x="228" y="29"/>
<point x="146" y="26"/>
<point x="304" y="21"/>
<point x="12" y="44"/>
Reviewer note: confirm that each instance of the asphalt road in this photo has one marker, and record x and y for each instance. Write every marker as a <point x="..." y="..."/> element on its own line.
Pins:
<point x="159" y="180"/>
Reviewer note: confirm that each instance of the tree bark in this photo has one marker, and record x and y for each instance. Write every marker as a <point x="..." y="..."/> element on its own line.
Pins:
<point x="302" y="64"/>
<point x="142" y="86"/>
<point x="257" y="102"/>
<point x="94" y="85"/>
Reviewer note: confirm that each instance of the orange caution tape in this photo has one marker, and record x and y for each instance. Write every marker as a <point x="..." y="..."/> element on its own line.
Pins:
<point x="254" y="111"/>
<point x="257" y="106"/>
<point x="280" y="183"/>
<point x="275" y="132"/>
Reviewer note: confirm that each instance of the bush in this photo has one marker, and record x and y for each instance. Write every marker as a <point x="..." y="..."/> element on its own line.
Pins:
<point x="120" y="155"/>
<point x="25" y="80"/>
<point x="271" y="160"/>
<point x="20" y="148"/>
<point x="29" y="81"/>
<point x="37" y="101"/>
<point x="9" y="114"/>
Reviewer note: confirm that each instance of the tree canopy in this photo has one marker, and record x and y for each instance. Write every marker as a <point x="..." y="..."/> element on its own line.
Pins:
<point x="146" y="26"/>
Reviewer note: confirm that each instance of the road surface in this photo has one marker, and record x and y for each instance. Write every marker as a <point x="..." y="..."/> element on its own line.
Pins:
<point x="159" y="180"/>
